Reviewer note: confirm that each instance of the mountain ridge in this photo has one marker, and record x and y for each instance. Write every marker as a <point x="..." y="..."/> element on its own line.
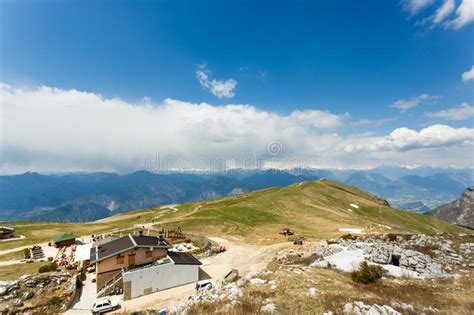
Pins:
<point x="459" y="211"/>
<point x="35" y="196"/>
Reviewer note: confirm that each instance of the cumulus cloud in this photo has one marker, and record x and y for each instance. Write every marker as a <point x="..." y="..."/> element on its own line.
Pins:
<point x="468" y="75"/>
<point x="220" y="88"/>
<point x="404" y="139"/>
<point x="318" y="119"/>
<point x="461" y="112"/>
<point x="406" y="104"/>
<point x="49" y="129"/>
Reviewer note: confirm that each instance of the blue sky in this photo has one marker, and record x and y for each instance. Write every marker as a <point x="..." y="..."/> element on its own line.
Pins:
<point x="354" y="57"/>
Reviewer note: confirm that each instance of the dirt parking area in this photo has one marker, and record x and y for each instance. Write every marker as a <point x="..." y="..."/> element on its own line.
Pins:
<point x="244" y="257"/>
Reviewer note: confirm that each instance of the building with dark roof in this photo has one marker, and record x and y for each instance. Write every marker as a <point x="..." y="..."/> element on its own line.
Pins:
<point x="6" y="231"/>
<point x="139" y="265"/>
<point x="128" y="251"/>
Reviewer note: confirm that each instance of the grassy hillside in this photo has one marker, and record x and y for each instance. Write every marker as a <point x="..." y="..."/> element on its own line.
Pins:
<point x="313" y="209"/>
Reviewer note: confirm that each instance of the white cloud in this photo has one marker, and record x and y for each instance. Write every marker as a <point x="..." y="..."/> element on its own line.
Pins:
<point x="416" y="6"/>
<point x="468" y="75"/>
<point x="318" y="119"/>
<point x="49" y="129"/>
<point x="404" y="139"/>
<point x="220" y="88"/>
<point x="461" y="112"/>
<point x="373" y="122"/>
<point x="404" y="105"/>
<point x="464" y="14"/>
<point x="443" y="11"/>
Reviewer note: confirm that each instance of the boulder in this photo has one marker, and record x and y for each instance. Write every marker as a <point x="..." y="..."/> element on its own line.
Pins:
<point x="257" y="281"/>
<point x="18" y="302"/>
<point x="312" y="292"/>
<point x="27" y="296"/>
<point x="269" y="308"/>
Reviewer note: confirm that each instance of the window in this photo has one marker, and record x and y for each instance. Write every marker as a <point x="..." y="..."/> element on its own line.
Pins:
<point x="120" y="260"/>
<point x="148" y="254"/>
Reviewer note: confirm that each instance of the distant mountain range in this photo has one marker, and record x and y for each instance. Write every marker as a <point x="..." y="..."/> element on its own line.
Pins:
<point x="91" y="196"/>
<point x="459" y="211"/>
<point x="412" y="192"/>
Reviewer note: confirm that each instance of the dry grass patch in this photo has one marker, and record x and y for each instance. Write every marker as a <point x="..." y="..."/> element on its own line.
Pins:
<point x="13" y="272"/>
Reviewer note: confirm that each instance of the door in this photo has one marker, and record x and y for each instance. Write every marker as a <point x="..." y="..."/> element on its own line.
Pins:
<point x="131" y="260"/>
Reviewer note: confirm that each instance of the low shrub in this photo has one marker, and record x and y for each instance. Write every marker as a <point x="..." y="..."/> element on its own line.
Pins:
<point x="367" y="273"/>
<point x="27" y="253"/>
<point x="55" y="300"/>
<point x="47" y="268"/>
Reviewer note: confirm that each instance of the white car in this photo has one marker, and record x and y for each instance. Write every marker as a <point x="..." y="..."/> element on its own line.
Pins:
<point x="104" y="305"/>
<point x="204" y="284"/>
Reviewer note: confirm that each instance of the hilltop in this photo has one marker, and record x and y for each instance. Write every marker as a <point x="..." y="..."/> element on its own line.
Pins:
<point x="313" y="208"/>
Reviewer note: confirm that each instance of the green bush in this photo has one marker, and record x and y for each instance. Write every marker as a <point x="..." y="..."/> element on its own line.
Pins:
<point x="55" y="300"/>
<point x="27" y="253"/>
<point x="367" y="273"/>
<point x="47" y="268"/>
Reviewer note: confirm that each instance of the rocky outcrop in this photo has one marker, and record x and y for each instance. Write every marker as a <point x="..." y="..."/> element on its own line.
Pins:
<point x="460" y="211"/>
<point x="418" y="256"/>
<point x="26" y="295"/>
<point x="360" y="308"/>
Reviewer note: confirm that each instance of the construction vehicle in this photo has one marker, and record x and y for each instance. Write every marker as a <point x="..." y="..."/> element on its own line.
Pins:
<point x="287" y="232"/>
<point x="299" y="240"/>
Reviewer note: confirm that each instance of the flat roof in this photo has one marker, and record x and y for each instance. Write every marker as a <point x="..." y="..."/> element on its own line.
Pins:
<point x="182" y="258"/>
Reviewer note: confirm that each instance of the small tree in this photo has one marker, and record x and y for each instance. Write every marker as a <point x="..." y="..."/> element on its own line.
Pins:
<point x="27" y="253"/>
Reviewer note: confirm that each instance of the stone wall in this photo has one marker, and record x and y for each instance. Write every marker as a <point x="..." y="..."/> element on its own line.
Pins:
<point x="103" y="278"/>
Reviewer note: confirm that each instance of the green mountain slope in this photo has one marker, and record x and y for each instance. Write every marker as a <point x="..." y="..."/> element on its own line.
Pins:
<point x="313" y="208"/>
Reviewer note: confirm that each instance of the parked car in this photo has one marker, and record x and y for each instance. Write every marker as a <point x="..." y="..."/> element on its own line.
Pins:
<point x="203" y="284"/>
<point x="104" y="305"/>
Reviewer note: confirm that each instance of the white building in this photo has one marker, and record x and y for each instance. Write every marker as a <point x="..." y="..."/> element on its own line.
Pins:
<point x="177" y="269"/>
